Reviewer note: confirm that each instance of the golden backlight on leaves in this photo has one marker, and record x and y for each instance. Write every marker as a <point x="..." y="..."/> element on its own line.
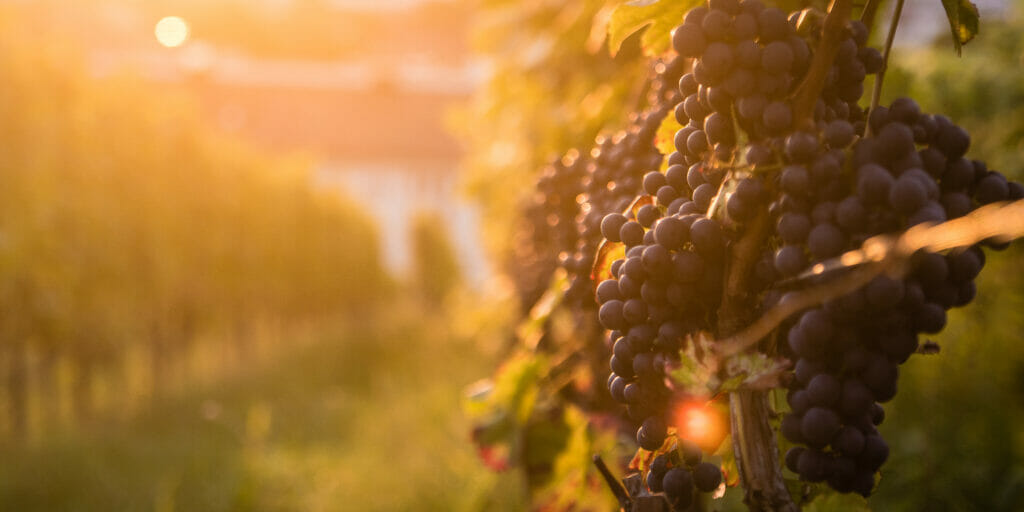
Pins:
<point x="171" y="31"/>
<point x="701" y="423"/>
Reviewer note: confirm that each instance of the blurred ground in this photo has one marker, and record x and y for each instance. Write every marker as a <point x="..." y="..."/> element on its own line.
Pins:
<point x="362" y="418"/>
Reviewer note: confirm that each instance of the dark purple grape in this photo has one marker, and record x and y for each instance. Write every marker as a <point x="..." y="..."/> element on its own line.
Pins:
<point x="611" y="225"/>
<point x="825" y="241"/>
<point x="707" y="477"/>
<point x="790" y="260"/>
<point x="819" y="425"/>
<point x="688" y="40"/>
<point x="824" y="390"/>
<point x="678" y="486"/>
<point x="777" y="117"/>
<point x="777" y="57"/>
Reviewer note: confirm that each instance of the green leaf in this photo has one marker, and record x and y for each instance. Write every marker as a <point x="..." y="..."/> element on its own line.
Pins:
<point x="835" y="502"/>
<point x="658" y="16"/>
<point x="963" y="21"/>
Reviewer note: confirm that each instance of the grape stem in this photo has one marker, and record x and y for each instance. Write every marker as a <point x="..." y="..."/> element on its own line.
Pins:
<point x="867" y="14"/>
<point x="805" y="98"/>
<point x="876" y="93"/>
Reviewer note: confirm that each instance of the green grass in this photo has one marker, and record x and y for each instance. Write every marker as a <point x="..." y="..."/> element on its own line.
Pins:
<point x="367" y="420"/>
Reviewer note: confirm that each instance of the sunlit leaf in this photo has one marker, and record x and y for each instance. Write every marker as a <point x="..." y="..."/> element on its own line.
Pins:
<point x="607" y="253"/>
<point x="729" y="466"/>
<point x="659" y="17"/>
<point x="697" y="370"/>
<point x="665" y="138"/>
<point x="753" y="370"/>
<point x="963" y="21"/>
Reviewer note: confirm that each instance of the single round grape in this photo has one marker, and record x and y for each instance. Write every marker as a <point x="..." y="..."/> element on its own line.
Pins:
<point x="839" y="133"/>
<point x="608" y="290"/>
<point x="773" y="24"/>
<point x="793" y="227"/>
<point x="813" y="465"/>
<point x="703" y="195"/>
<point x="907" y="194"/>
<point x="611" y="225"/>
<point x="819" y="425"/>
<point x="777" y="57"/>
<point x="801" y="146"/>
<point x="631" y="233"/>
<point x="688" y="40"/>
<point x="856" y="397"/>
<point x="678" y="486"/>
<point x="653" y="181"/>
<point x="825" y="241"/>
<point x="790" y="260"/>
<point x="873" y="184"/>
<point x="647" y="214"/>
<point x="707" y="477"/>
<point x="610" y="315"/>
<point x="777" y="116"/>
<point x="953" y="141"/>
<point x="824" y="390"/>
<point x="716" y="26"/>
<point x="874" y="453"/>
<point x="707" y="237"/>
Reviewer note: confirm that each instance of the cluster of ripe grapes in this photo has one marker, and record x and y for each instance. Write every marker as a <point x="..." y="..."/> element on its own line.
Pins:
<point x="847" y="352"/>
<point x="680" y="472"/>
<point x="743" y="154"/>
<point x="575" y="191"/>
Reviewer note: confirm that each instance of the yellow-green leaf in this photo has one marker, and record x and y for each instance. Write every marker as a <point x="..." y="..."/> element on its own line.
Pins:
<point x="665" y="139"/>
<point x="963" y="21"/>
<point x="658" y="16"/>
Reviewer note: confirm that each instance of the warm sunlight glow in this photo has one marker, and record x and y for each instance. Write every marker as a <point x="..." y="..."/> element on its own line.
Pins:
<point x="171" y="31"/>
<point x="700" y="423"/>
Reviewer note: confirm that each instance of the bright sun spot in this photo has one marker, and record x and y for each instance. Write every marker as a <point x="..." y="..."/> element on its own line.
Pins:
<point x="171" y="31"/>
<point x="700" y="423"/>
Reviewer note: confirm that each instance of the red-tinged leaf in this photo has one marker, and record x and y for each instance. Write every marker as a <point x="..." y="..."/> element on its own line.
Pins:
<point x="494" y="457"/>
<point x="659" y="17"/>
<point x="963" y="21"/>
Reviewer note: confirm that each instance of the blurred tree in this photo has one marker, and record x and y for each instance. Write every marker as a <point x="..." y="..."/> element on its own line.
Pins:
<point x="435" y="266"/>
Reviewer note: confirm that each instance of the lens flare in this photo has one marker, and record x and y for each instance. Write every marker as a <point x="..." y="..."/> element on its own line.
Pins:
<point x="171" y="31"/>
<point x="702" y="423"/>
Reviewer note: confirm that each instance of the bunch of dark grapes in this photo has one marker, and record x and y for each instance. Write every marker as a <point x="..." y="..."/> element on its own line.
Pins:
<point x="911" y="170"/>
<point x="560" y="222"/>
<point x="548" y="224"/>
<point x="614" y="177"/>
<point x="749" y="60"/>
<point x="680" y="474"/>
<point x="668" y="285"/>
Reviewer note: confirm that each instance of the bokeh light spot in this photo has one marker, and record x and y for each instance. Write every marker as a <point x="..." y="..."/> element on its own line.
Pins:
<point x="171" y="31"/>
